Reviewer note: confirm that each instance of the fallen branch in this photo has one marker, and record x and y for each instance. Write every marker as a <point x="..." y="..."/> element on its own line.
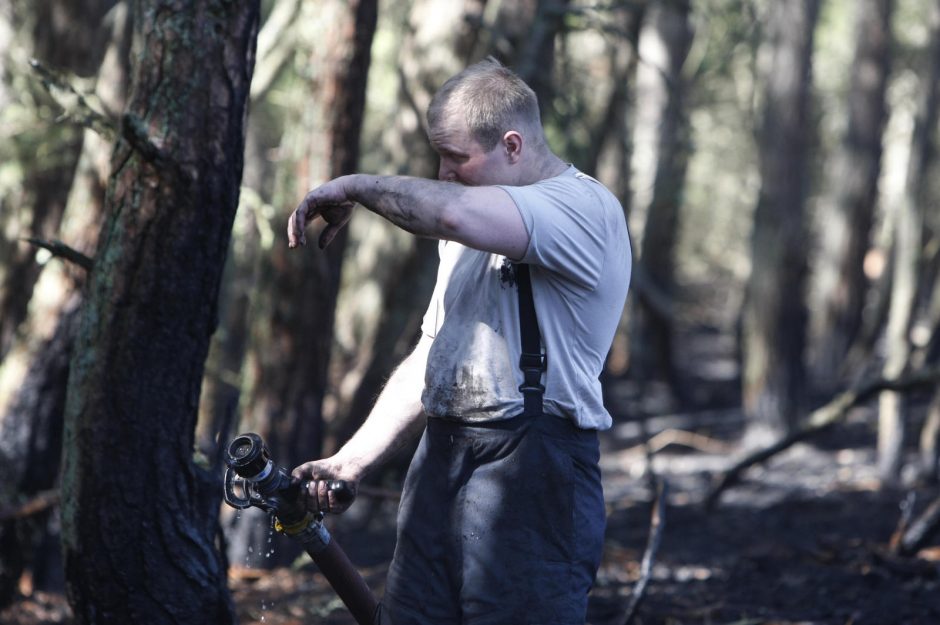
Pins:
<point x="820" y="420"/>
<point x="921" y="530"/>
<point x="60" y="249"/>
<point x="42" y="501"/>
<point x="657" y="523"/>
<point x="673" y="436"/>
<point x="907" y="513"/>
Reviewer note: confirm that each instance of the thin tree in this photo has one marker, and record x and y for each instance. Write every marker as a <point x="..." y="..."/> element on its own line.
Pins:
<point x="774" y="315"/>
<point x="846" y="239"/>
<point x="662" y="126"/>
<point x="294" y="302"/>
<point x="138" y="515"/>
<point x="907" y="249"/>
<point x="436" y="42"/>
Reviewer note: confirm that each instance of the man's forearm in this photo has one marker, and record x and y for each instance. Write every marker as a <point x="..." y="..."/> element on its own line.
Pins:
<point x="396" y="418"/>
<point x="417" y="205"/>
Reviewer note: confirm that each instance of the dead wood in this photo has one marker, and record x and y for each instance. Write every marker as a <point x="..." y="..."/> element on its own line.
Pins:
<point x="904" y="522"/>
<point x="73" y="102"/>
<point x="900" y="566"/>
<point x="40" y="502"/>
<point x="920" y="530"/>
<point x="674" y="436"/>
<point x="60" y="249"/>
<point x="657" y="523"/>
<point x="820" y="420"/>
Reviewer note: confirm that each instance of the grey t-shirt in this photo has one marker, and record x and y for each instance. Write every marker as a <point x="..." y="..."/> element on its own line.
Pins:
<point x="580" y="259"/>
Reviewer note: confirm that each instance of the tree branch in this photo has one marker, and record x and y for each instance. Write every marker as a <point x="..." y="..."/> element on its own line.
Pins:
<point x="73" y="103"/>
<point x="132" y="128"/>
<point x="40" y="502"/>
<point x="921" y="530"/>
<point x="657" y="523"/>
<point x="821" y="419"/>
<point x="60" y="249"/>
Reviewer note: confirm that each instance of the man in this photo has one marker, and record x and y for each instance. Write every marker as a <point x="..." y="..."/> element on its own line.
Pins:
<point x="502" y="514"/>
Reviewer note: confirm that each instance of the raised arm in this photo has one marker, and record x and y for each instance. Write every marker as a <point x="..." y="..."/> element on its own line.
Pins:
<point x="396" y="418"/>
<point x="483" y="217"/>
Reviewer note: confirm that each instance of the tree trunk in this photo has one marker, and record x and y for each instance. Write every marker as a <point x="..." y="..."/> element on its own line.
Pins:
<point x="774" y="317"/>
<point x="389" y="275"/>
<point x="612" y="149"/>
<point x="30" y="449"/>
<point x="907" y="250"/>
<point x="534" y="57"/>
<point x="290" y="345"/>
<point x="131" y="554"/>
<point x="225" y="373"/>
<point x="930" y="442"/>
<point x="664" y="45"/>
<point x="842" y="283"/>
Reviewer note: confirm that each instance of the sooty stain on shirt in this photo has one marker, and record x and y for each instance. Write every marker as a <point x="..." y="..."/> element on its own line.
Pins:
<point x="507" y="274"/>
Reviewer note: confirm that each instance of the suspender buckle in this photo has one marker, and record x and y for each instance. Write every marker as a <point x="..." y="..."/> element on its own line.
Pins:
<point x="532" y="366"/>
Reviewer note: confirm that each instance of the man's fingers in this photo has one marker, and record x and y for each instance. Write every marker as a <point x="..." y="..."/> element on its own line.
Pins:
<point x="294" y="237"/>
<point x="297" y="224"/>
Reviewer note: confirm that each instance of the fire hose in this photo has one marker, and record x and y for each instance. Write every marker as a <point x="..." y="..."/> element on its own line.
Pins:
<point x="269" y="487"/>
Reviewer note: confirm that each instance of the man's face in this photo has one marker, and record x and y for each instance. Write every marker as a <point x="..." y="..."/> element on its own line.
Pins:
<point x="463" y="160"/>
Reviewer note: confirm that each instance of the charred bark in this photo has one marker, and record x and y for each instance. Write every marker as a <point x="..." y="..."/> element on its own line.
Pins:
<point x="30" y="448"/>
<point x="150" y="308"/>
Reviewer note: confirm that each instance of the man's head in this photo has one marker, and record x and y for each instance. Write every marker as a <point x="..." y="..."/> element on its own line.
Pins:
<point x="483" y="122"/>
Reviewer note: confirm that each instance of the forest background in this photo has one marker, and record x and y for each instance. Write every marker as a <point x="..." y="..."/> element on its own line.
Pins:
<point x="775" y="161"/>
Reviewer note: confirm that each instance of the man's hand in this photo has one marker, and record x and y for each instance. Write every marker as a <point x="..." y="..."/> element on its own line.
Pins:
<point x="331" y="203"/>
<point x="316" y="477"/>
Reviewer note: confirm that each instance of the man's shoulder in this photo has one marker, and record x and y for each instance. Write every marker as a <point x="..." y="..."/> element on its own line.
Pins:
<point x="581" y="185"/>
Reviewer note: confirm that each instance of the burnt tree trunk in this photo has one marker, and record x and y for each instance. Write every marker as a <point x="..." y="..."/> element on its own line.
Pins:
<point x="774" y="315"/>
<point x="30" y="449"/>
<point x="139" y="517"/>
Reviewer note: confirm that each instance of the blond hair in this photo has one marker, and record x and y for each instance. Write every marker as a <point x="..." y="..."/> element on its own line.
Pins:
<point x="492" y="99"/>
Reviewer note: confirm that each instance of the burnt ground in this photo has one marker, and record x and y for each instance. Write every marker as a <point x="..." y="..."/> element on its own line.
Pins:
<point x="800" y="540"/>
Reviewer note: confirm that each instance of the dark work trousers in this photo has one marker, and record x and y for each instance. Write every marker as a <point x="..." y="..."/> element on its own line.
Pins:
<point x="500" y="524"/>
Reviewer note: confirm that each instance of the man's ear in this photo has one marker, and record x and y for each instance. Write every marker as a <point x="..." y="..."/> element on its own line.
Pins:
<point x="512" y="144"/>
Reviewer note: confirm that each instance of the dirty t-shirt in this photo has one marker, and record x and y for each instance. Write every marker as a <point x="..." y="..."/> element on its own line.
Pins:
<point x="579" y="254"/>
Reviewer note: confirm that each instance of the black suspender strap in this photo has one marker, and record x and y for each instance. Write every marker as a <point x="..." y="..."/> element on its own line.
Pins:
<point x="532" y="362"/>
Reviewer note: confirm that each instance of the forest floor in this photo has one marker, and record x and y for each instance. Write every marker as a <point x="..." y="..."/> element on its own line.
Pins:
<point x="802" y="539"/>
